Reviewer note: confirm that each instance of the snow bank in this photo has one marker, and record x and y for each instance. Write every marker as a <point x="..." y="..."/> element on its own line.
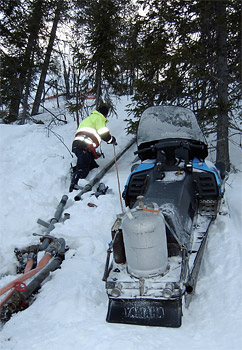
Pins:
<point x="70" y="310"/>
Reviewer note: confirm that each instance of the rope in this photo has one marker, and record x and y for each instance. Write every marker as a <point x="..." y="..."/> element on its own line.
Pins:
<point x="116" y="166"/>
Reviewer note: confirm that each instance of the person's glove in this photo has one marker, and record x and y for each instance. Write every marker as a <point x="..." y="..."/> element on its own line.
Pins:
<point x="114" y="142"/>
<point x="100" y="154"/>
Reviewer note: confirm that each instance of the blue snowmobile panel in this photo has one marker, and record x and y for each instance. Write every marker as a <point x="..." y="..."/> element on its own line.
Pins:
<point x="141" y="167"/>
<point x="203" y="166"/>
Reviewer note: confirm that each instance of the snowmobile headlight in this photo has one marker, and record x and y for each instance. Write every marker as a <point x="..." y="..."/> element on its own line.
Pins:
<point x="116" y="291"/>
<point x="168" y="290"/>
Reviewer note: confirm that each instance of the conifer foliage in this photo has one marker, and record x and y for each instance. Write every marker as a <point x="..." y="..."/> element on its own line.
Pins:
<point x="101" y="26"/>
<point x="176" y="52"/>
<point x="191" y="56"/>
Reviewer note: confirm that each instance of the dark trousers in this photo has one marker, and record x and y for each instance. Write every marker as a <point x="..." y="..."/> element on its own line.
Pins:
<point x="85" y="161"/>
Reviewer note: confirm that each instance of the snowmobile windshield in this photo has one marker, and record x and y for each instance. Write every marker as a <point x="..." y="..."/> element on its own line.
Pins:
<point x="168" y="122"/>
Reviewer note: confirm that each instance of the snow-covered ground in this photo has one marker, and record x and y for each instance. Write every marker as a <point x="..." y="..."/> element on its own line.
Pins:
<point x="70" y="310"/>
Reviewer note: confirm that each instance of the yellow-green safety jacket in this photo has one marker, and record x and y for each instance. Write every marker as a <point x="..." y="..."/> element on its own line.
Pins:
<point x="92" y="130"/>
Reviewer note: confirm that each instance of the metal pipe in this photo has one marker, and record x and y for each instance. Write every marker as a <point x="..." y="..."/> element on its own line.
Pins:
<point x="59" y="209"/>
<point x="27" y="275"/>
<point x="44" y="273"/>
<point x="100" y="175"/>
<point x="15" y="298"/>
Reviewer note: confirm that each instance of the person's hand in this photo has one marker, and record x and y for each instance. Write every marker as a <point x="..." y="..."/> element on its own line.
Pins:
<point x="114" y="142"/>
<point x="100" y="154"/>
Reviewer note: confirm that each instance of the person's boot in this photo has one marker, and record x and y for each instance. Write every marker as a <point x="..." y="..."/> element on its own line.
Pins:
<point x="94" y="165"/>
<point x="74" y="181"/>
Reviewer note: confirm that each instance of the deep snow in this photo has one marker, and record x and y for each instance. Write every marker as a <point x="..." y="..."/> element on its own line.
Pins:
<point x="70" y="310"/>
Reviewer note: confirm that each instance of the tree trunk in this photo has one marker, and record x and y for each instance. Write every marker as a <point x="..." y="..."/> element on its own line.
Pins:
<point x="67" y="80"/>
<point x="29" y="52"/>
<point x="45" y="67"/>
<point x="222" y="87"/>
<point x="25" y="113"/>
<point x="98" y="83"/>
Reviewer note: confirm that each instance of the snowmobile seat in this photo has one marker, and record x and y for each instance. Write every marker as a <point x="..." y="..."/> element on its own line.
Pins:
<point x="170" y="149"/>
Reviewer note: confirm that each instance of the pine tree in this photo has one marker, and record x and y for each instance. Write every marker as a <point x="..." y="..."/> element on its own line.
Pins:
<point x="222" y="85"/>
<point x="23" y="56"/>
<point x="101" y="24"/>
<point x="202" y="62"/>
<point x="59" y="8"/>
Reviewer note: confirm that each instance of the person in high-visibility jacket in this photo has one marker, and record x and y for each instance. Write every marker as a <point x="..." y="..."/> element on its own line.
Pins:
<point x="91" y="131"/>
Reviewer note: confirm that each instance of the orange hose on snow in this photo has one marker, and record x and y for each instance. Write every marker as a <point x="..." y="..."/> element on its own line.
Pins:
<point x="29" y="265"/>
<point x="43" y="262"/>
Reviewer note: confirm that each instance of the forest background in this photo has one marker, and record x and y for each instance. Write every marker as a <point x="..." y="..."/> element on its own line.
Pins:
<point x="185" y="53"/>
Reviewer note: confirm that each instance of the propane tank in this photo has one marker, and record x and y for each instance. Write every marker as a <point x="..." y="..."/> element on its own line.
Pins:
<point x="144" y="235"/>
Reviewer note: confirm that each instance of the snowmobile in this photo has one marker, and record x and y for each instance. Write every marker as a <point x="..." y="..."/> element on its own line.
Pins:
<point x="172" y="196"/>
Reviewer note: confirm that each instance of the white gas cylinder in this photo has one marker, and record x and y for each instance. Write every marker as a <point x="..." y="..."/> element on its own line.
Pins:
<point x="144" y="235"/>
